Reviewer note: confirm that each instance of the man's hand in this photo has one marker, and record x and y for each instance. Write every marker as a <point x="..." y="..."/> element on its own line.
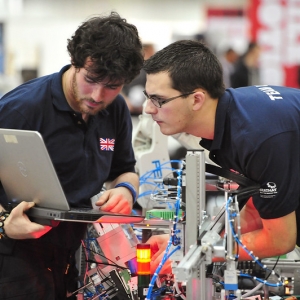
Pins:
<point x="117" y="200"/>
<point x="158" y="245"/>
<point x="18" y="226"/>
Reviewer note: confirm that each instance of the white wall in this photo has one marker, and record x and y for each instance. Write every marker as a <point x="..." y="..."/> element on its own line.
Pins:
<point x="36" y="31"/>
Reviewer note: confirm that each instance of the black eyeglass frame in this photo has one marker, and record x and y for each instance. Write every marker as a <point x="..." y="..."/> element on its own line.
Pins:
<point x="160" y="102"/>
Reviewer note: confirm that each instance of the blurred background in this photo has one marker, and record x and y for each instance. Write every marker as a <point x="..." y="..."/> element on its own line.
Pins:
<point x="257" y="41"/>
<point x="33" y="33"/>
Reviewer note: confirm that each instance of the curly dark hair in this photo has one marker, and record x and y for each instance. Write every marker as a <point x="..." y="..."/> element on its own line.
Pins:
<point x="190" y="65"/>
<point x="112" y="44"/>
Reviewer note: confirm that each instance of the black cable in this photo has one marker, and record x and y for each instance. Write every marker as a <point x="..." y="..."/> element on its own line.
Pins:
<point x="103" y="263"/>
<point x="270" y="272"/>
<point x="114" y="264"/>
<point x="103" y="276"/>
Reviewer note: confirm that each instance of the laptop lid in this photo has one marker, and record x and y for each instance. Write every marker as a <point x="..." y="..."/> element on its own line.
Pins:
<point x="27" y="174"/>
<point x="26" y="170"/>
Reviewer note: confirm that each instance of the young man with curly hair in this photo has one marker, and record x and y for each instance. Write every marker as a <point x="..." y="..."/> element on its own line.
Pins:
<point x="74" y="110"/>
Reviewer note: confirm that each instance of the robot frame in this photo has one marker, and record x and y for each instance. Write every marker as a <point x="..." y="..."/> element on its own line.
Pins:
<point x="195" y="239"/>
<point x="200" y="235"/>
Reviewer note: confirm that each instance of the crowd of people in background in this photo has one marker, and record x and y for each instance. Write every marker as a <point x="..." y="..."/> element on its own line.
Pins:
<point x="246" y="68"/>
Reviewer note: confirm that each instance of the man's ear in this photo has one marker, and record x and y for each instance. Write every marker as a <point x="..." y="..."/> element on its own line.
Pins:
<point x="199" y="98"/>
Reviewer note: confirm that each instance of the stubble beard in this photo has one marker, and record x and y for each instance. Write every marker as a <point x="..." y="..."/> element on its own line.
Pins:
<point x="79" y="101"/>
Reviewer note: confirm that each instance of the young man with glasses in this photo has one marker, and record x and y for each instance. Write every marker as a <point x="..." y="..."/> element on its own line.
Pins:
<point x="252" y="130"/>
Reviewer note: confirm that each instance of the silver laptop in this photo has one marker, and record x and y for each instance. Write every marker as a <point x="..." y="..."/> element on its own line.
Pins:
<point x="27" y="174"/>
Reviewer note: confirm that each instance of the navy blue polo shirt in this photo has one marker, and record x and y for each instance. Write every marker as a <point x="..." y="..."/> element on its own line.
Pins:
<point x="84" y="155"/>
<point x="257" y="131"/>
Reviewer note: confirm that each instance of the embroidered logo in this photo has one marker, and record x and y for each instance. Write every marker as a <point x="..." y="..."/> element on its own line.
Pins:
<point x="269" y="190"/>
<point x="107" y="144"/>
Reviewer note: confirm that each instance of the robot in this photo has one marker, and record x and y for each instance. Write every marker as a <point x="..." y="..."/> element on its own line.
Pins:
<point x="206" y="232"/>
<point x="200" y="233"/>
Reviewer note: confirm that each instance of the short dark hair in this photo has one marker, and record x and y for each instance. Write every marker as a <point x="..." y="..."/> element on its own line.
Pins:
<point x="190" y="64"/>
<point x="112" y="44"/>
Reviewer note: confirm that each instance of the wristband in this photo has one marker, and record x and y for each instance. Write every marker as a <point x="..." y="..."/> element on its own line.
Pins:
<point x="130" y="187"/>
<point x="3" y="216"/>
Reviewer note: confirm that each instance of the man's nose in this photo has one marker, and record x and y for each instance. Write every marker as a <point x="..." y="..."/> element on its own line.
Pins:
<point x="97" y="93"/>
<point x="149" y="107"/>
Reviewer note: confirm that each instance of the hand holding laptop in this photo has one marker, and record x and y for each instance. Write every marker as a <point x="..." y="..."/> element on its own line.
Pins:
<point x="27" y="173"/>
<point x="18" y="226"/>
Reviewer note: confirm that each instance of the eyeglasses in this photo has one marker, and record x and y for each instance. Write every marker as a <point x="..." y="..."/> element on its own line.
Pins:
<point x="158" y="102"/>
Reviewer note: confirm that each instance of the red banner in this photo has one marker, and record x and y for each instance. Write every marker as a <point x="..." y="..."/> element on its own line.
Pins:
<point x="275" y="26"/>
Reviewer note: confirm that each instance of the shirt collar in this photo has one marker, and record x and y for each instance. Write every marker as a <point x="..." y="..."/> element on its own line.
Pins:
<point x="220" y="122"/>
<point x="59" y="100"/>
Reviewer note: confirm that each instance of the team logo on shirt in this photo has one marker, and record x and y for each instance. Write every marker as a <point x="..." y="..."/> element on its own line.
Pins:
<point x="107" y="144"/>
<point x="269" y="190"/>
<point x="273" y="94"/>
